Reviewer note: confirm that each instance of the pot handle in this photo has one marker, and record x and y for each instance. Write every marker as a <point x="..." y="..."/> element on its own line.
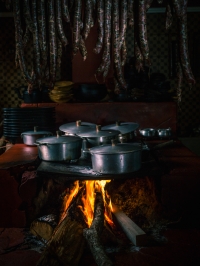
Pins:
<point x="38" y="144"/>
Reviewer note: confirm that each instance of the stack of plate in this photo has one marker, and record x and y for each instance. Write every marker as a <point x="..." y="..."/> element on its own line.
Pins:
<point x="18" y="120"/>
<point x="62" y="92"/>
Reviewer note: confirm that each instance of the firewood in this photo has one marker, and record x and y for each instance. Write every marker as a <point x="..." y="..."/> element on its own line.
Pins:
<point x="44" y="226"/>
<point x="66" y="245"/>
<point x="92" y="234"/>
<point x="134" y="233"/>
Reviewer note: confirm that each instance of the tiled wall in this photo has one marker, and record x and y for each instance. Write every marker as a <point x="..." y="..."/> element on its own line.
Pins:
<point x="189" y="111"/>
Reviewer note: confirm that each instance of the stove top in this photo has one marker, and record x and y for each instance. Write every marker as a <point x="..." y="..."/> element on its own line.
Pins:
<point x="82" y="170"/>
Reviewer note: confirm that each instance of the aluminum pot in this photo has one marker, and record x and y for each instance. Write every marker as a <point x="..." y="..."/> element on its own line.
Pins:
<point x="76" y="128"/>
<point x="30" y="137"/>
<point x="117" y="158"/>
<point x="164" y="132"/>
<point x="99" y="137"/>
<point x="127" y="130"/>
<point x="59" y="148"/>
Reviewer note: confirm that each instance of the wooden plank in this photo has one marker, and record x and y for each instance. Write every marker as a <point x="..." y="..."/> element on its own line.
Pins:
<point x="134" y="233"/>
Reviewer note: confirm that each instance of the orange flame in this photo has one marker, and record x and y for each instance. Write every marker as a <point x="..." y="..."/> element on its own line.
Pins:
<point x="88" y="201"/>
<point x="68" y="198"/>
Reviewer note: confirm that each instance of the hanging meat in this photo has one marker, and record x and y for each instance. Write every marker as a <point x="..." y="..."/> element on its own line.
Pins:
<point x="169" y="16"/>
<point x="42" y="31"/>
<point x="36" y="48"/>
<point x="100" y="20"/>
<point x="180" y="7"/>
<point x="88" y="18"/>
<point x="27" y="15"/>
<point x="117" y="59"/>
<point x="143" y="31"/>
<point x="52" y="44"/>
<point x="180" y="83"/>
<point x="76" y="25"/>
<point x="65" y="11"/>
<point x="130" y="4"/>
<point x="59" y="24"/>
<point x="106" y="59"/>
<point x="19" y="42"/>
<point x="122" y="29"/>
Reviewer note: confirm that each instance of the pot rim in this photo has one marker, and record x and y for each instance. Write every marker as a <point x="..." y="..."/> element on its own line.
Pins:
<point x="54" y="140"/>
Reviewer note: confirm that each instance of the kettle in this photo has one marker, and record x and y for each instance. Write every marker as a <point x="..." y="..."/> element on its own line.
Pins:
<point x="33" y="97"/>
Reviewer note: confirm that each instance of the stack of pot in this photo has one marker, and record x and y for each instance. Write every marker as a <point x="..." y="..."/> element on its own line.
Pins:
<point x="102" y="146"/>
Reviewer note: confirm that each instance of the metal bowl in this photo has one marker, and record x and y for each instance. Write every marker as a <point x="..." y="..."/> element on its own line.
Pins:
<point x="148" y="132"/>
<point x="164" y="132"/>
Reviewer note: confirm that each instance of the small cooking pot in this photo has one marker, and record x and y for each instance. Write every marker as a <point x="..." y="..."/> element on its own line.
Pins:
<point x="148" y="132"/>
<point x="99" y="137"/>
<point x="30" y="137"/>
<point x="126" y="129"/>
<point x="117" y="158"/>
<point x="164" y="132"/>
<point x="59" y="148"/>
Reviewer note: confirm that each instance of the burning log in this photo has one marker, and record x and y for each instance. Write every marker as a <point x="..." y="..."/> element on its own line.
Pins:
<point x="67" y="242"/>
<point x="92" y="234"/>
<point x="134" y="233"/>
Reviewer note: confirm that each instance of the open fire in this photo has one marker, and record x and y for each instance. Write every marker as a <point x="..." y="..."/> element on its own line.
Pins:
<point x="88" y="200"/>
<point x="91" y="214"/>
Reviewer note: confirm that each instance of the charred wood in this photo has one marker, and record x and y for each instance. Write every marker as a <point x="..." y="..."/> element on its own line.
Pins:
<point x="66" y="245"/>
<point x="92" y="234"/>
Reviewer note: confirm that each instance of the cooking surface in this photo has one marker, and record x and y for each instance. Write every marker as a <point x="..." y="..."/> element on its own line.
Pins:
<point x="82" y="170"/>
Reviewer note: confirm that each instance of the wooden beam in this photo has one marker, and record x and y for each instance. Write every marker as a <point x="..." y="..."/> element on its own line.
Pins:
<point x="134" y="233"/>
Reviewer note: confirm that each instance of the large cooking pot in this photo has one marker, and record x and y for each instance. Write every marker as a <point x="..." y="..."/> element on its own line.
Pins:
<point x="76" y="128"/>
<point x="30" y="137"/>
<point x="118" y="158"/>
<point x="59" y="148"/>
<point x="99" y="137"/>
<point x="126" y="129"/>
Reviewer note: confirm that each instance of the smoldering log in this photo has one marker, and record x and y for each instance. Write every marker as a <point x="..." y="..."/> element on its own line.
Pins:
<point x="134" y="233"/>
<point x="44" y="226"/>
<point x="92" y="234"/>
<point x="66" y="245"/>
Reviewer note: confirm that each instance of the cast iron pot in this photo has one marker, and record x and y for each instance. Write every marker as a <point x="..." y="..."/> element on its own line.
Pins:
<point x="90" y="92"/>
<point x="30" y="137"/>
<point x="59" y="148"/>
<point x="126" y="129"/>
<point x="118" y="158"/>
<point x="99" y="137"/>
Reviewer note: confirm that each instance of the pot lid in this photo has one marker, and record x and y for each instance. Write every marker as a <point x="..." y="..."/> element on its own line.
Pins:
<point x="99" y="133"/>
<point x="36" y="132"/>
<point x="58" y="140"/>
<point x="77" y="127"/>
<point x="118" y="148"/>
<point x="124" y="128"/>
